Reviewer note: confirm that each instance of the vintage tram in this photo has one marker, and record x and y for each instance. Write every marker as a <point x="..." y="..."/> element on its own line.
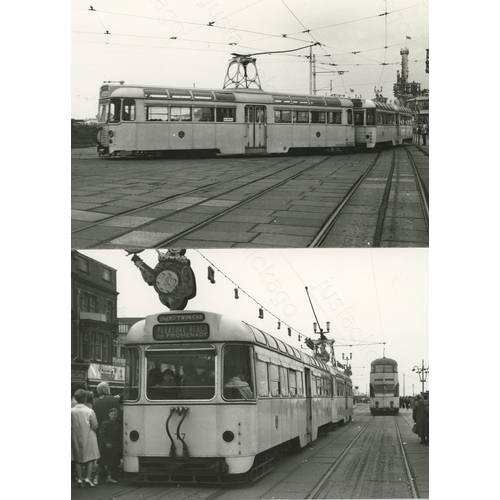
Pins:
<point x="384" y="386"/>
<point x="138" y="120"/>
<point x="212" y="399"/>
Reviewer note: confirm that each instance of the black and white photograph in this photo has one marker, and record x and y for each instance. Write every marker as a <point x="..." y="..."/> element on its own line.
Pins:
<point x="224" y="206"/>
<point x="251" y="373"/>
<point x="238" y="124"/>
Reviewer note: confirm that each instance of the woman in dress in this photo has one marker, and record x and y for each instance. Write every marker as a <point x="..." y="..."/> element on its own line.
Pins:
<point x="84" y="447"/>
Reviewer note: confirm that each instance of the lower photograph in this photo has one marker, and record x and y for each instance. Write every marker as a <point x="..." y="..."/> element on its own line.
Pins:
<point x="249" y="373"/>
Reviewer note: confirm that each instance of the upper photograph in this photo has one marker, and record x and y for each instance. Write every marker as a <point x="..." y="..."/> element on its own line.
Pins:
<point x="249" y="123"/>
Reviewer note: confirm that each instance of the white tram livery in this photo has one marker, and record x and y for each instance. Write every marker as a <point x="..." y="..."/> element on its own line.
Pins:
<point x="384" y="386"/>
<point x="381" y="123"/>
<point x="136" y="120"/>
<point x="213" y="399"/>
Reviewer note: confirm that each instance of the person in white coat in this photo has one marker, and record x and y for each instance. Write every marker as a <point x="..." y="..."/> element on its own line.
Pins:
<point x="84" y="446"/>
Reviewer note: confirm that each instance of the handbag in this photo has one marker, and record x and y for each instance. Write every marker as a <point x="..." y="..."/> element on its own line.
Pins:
<point x="414" y="428"/>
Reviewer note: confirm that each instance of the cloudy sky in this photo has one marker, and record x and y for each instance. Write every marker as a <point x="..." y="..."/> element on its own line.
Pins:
<point x="170" y="42"/>
<point x="370" y="297"/>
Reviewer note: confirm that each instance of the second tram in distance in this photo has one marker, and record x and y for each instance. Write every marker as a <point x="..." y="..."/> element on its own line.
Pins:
<point x="136" y="120"/>
<point x="212" y="399"/>
<point x="384" y="386"/>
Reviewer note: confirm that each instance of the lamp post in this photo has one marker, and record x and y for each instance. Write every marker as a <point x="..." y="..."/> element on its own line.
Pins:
<point x="422" y="373"/>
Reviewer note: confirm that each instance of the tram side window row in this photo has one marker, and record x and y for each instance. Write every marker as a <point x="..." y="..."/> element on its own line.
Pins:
<point x="296" y="116"/>
<point x="189" y="114"/>
<point x="277" y="381"/>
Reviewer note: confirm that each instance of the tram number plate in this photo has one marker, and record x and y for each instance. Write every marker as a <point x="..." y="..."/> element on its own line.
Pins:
<point x="181" y="332"/>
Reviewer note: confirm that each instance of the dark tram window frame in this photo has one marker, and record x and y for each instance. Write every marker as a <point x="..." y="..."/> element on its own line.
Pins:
<point x="225" y="115"/>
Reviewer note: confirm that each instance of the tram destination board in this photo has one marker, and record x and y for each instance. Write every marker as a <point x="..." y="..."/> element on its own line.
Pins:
<point x="181" y="332"/>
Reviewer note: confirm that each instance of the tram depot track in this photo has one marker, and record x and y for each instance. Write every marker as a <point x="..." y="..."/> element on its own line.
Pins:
<point x="277" y="169"/>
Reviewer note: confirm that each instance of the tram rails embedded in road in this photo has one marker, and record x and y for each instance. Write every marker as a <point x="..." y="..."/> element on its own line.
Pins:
<point x="347" y="191"/>
<point x="139" y="120"/>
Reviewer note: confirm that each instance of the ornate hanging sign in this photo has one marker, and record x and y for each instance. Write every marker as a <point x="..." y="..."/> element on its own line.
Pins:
<point x="172" y="278"/>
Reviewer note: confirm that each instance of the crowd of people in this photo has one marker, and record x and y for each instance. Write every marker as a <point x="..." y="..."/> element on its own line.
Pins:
<point x="96" y="435"/>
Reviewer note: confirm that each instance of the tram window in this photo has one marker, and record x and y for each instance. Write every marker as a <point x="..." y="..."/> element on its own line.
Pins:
<point x="380" y="119"/>
<point x="318" y="117"/>
<point x="300" y="116"/>
<point x="271" y="341"/>
<point x="280" y="98"/>
<point x="262" y="378"/>
<point x="316" y="101"/>
<point x="203" y="114"/>
<point x="114" y="110"/>
<point x="281" y="346"/>
<point x="180" y="114"/>
<point x="128" y="113"/>
<point x="180" y="94"/>
<point x="157" y="113"/>
<point x="226" y="114"/>
<point x="388" y="369"/>
<point x="203" y="96"/>
<point x="358" y="118"/>
<point x="224" y="96"/>
<point x="131" y="392"/>
<point x="282" y="116"/>
<point x="274" y="377"/>
<point x="284" y="380"/>
<point x="237" y="372"/>
<point x="349" y="116"/>
<point x="300" y="389"/>
<point x="180" y="375"/>
<point x="292" y="382"/>
<point x="335" y="117"/>
<point x="328" y="387"/>
<point x="370" y="117"/>
<point x="103" y="112"/>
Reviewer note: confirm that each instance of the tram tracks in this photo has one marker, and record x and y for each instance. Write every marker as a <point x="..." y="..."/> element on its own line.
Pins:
<point x="365" y="458"/>
<point x="206" y="201"/>
<point x="198" y="208"/>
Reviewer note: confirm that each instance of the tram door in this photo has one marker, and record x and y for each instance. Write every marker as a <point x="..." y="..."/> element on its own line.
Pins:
<point x="307" y="376"/>
<point x="398" y="129"/>
<point x="256" y="133"/>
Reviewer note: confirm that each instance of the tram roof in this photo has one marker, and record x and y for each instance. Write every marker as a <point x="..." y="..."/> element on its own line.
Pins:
<point x="225" y="95"/>
<point x="384" y="361"/>
<point x="223" y="329"/>
<point x="368" y="103"/>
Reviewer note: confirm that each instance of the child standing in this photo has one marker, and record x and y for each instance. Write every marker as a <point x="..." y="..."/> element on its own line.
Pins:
<point x="110" y="443"/>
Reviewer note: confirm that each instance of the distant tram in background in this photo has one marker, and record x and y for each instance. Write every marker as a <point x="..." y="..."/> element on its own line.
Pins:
<point x="384" y="386"/>
<point x="139" y="120"/>
<point x="212" y="399"/>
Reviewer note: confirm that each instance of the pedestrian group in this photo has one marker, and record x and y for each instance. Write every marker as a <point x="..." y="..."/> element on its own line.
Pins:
<point x="96" y="435"/>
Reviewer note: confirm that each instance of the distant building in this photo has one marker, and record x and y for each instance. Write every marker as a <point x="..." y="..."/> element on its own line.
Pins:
<point x="124" y="325"/>
<point x="94" y="327"/>
<point x="420" y="108"/>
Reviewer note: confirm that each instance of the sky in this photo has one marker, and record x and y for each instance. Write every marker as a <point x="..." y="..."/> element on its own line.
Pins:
<point x="170" y="43"/>
<point x="374" y="299"/>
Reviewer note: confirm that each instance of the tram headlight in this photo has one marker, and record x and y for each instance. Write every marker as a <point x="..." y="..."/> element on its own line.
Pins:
<point x="111" y="133"/>
<point x="134" y="436"/>
<point x="228" y="436"/>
